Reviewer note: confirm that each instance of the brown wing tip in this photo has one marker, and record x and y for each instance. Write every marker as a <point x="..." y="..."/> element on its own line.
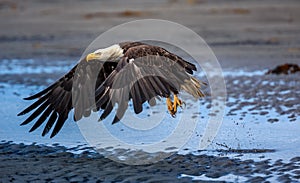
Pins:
<point x="29" y="98"/>
<point x="53" y="134"/>
<point x="116" y="120"/>
<point x="22" y="124"/>
<point x="20" y="114"/>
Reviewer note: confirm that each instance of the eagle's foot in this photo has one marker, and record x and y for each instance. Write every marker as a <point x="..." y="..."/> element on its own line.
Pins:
<point x="172" y="106"/>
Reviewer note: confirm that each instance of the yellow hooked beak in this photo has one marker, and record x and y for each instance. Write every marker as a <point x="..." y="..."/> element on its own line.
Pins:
<point x="92" y="56"/>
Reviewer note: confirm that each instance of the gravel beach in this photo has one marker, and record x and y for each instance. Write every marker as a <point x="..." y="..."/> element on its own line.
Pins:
<point x="258" y="140"/>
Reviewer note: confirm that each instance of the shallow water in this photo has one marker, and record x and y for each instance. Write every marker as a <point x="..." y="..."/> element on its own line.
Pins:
<point x="261" y="119"/>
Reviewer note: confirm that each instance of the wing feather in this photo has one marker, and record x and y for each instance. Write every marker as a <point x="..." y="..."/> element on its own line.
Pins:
<point x="50" y="123"/>
<point x="42" y="118"/>
<point x="136" y="99"/>
<point x="60" y="122"/>
<point x="43" y="92"/>
<point x="107" y="110"/>
<point x="34" y="105"/>
<point x="36" y="113"/>
<point x="57" y="101"/>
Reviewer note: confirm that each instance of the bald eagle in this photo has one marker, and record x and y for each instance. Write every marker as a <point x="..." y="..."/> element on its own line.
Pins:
<point x="114" y="75"/>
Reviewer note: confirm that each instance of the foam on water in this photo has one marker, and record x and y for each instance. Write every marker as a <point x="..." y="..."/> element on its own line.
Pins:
<point x="227" y="178"/>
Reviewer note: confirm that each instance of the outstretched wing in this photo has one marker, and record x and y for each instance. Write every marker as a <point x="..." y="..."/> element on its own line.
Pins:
<point x="145" y="72"/>
<point x="55" y="102"/>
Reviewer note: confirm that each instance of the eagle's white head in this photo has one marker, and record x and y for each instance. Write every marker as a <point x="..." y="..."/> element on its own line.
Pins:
<point x="112" y="53"/>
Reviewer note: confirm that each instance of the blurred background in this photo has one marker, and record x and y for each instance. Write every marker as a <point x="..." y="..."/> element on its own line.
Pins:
<point x="236" y="30"/>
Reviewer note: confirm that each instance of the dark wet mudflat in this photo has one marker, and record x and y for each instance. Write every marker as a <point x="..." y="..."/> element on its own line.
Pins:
<point x="21" y="162"/>
<point x="258" y="140"/>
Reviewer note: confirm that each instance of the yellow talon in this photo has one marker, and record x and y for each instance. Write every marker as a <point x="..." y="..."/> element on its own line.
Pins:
<point x="172" y="106"/>
<point x="177" y="102"/>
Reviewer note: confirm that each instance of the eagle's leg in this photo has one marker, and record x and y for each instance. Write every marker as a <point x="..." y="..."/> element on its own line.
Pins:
<point x="172" y="106"/>
<point x="177" y="102"/>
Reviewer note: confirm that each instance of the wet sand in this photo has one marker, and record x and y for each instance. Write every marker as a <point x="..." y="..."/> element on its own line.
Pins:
<point x="37" y="163"/>
<point x="247" y="37"/>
